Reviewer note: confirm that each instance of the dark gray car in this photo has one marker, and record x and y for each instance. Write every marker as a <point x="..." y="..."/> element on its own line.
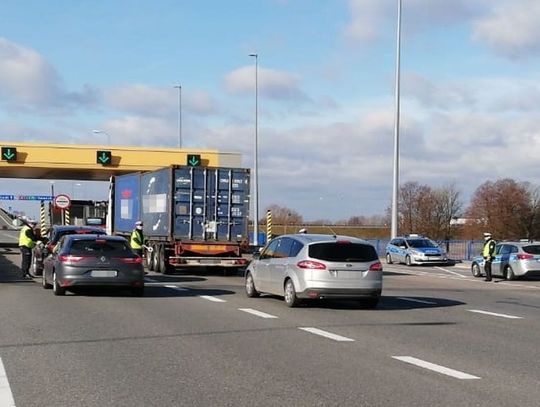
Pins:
<point x="316" y="266"/>
<point x="93" y="260"/>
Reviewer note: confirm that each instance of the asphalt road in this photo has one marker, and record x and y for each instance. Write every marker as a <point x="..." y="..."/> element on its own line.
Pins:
<point x="438" y="338"/>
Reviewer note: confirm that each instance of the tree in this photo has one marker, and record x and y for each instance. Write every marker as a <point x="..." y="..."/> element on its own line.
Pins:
<point x="427" y="210"/>
<point x="284" y="216"/>
<point x="505" y="208"/>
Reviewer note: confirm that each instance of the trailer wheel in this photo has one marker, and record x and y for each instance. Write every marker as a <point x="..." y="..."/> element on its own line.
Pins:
<point x="162" y="260"/>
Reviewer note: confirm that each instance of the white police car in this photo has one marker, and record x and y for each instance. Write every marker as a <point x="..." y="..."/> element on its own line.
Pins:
<point x="415" y="249"/>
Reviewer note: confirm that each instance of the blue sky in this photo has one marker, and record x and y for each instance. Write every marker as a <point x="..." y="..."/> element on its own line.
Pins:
<point x="470" y="91"/>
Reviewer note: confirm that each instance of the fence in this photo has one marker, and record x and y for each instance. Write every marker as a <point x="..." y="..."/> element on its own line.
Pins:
<point x="456" y="249"/>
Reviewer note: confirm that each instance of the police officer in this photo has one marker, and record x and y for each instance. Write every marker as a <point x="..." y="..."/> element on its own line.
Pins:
<point x="488" y="252"/>
<point x="137" y="238"/>
<point x="27" y="241"/>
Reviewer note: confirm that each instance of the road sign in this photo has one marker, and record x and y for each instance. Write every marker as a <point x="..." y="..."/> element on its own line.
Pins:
<point x="103" y="157"/>
<point x="194" y="160"/>
<point x="9" y="154"/>
<point x="62" y="201"/>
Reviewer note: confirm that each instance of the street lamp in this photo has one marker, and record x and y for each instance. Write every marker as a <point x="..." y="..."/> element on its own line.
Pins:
<point x="105" y="133"/>
<point x="179" y="87"/>
<point x="255" y="154"/>
<point x="395" y="185"/>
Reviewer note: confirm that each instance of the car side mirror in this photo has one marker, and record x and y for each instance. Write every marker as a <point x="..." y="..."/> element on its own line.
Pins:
<point x="256" y="255"/>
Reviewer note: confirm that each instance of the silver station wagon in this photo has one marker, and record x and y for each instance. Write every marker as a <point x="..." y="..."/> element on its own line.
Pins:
<point x="310" y="266"/>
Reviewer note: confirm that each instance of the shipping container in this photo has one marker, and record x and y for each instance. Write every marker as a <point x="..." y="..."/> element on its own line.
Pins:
<point x="192" y="216"/>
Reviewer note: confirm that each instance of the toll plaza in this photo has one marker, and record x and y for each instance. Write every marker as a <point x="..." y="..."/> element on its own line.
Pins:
<point x="87" y="163"/>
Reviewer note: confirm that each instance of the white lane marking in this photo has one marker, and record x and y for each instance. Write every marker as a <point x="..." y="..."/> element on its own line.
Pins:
<point x="6" y="397"/>
<point x="210" y="298"/>
<point x="257" y="313"/>
<point x="494" y="314"/>
<point x="450" y="271"/>
<point x="436" y="368"/>
<point x="415" y="300"/>
<point x="175" y="287"/>
<point x="326" y="334"/>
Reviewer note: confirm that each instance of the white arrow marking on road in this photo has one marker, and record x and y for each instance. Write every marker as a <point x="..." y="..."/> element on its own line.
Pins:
<point x="494" y="314"/>
<point x="326" y="334"/>
<point x="6" y="397"/>
<point x="257" y="313"/>
<point x="415" y="300"/>
<point x="210" y="298"/>
<point x="436" y="368"/>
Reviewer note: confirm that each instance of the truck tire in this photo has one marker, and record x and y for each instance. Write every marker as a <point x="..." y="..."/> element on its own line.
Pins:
<point x="163" y="262"/>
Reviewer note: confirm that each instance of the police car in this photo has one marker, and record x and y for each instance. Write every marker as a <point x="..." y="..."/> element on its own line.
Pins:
<point x="512" y="260"/>
<point x="415" y="249"/>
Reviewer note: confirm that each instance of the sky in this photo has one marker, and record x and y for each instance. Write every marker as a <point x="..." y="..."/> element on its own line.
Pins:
<point x="469" y="95"/>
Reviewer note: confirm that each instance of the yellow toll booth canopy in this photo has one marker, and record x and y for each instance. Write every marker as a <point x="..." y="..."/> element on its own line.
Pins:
<point x="89" y="162"/>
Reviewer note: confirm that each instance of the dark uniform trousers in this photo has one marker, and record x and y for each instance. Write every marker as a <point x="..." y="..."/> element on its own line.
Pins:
<point x="26" y="260"/>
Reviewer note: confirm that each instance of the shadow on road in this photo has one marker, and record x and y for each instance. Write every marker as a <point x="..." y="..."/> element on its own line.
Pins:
<point x="149" y="292"/>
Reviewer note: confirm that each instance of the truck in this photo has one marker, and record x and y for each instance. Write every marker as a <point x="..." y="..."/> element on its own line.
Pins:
<point x="192" y="216"/>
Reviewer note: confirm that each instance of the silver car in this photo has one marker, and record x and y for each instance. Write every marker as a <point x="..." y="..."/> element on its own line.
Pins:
<point x="93" y="260"/>
<point x="512" y="260"/>
<point x="309" y="266"/>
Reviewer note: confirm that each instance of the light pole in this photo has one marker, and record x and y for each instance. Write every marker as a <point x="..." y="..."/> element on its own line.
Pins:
<point x="179" y="87"/>
<point x="105" y="133"/>
<point x="395" y="185"/>
<point x="255" y="157"/>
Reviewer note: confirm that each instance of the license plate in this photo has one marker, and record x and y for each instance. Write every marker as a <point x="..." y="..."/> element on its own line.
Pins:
<point x="103" y="273"/>
<point x="209" y="261"/>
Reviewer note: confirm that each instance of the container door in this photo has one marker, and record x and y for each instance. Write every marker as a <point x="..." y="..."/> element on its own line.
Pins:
<point x="155" y="193"/>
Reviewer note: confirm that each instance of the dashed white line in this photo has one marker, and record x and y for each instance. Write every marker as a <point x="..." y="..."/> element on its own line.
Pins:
<point x="415" y="300"/>
<point x="436" y="368"/>
<point x="257" y="313"/>
<point x="494" y="314"/>
<point x="6" y="397"/>
<point x="210" y="298"/>
<point x="326" y="334"/>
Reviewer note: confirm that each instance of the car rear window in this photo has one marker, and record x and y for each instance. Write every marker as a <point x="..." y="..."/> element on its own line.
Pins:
<point x="336" y="251"/>
<point x="99" y="247"/>
<point x="532" y="249"/>
<point x="59" y="234"/>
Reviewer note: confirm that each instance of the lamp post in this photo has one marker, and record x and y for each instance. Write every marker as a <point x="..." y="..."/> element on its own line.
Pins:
<point x="395" y="185"/>
<point x="255" y="157"/>
<point x="179" y="87"/>
<point x="105" y="133"/>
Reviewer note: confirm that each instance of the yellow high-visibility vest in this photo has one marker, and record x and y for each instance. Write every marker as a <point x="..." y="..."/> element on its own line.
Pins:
<point x="24" y="240"/>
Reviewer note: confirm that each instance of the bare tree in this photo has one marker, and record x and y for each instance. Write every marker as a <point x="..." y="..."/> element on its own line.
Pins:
<point x="285" y="216"/>
<point x="500" y="207"/>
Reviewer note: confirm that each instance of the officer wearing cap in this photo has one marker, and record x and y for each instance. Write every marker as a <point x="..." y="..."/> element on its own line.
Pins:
<point x="488" y="252"/>
<point x="27" y="241"/>
<point x="137" y="238"/>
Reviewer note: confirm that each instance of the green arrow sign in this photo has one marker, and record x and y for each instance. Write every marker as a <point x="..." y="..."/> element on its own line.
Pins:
<point x="103" y="157"/>
<point x="9" y="153"/>
<point x="193" y="160"/>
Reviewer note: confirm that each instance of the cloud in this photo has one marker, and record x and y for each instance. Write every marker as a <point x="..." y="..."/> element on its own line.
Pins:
<point x="371" y="19"/>
<point x="140" y="131"/>
<point x="29" y="82"/>
<point x="511" y="28"/>
<point x="273" y="84"/>
<point x="154" y="101"/>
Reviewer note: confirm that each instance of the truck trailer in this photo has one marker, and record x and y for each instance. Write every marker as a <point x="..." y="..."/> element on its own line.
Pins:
<point x="192" y="216"/>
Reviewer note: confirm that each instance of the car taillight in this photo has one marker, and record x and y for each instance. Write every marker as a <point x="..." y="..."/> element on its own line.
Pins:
<point x="376" y="266"/>
<point x="66" y="258"/>
<point x="522" y="256"/>
<point x="130" y="260"/>
<point x="310" y="264"/>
